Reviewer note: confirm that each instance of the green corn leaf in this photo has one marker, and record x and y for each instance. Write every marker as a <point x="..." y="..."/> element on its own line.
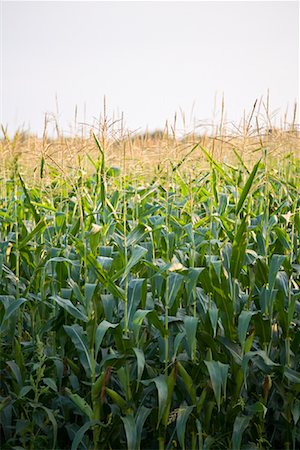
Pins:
<point x="140" y="419"/>
<point x="217" y="166"/>
<point x="138" y="318"/>
<point x="214" y="186"/>
<point x="75" y="332"/>
<point x="283" y="238"/>
<point x="89" y="290"/>
<point x="292" y="375"/>
<point x="291" y="308"/>
<point x="39" y="228"/>
<point x="80" y="403"/>
<point x="140" y="358"/>
<point x="45" y="206"/>
<point x="16" y="372"/>
<point x="218" y="373"/>
<point x="77" y="440"/>
<point x="257" y="407"/>
<point x="99" y="271"/>
<point x="51" y="383"/>
<point x="157" y="322"/>
<point x="182" y="418"/>
<point x="74" y="228"/>
<point x="275" y="264"/>
<point x="200" y="434"/>
<point x="162" y="390"/>
<point x="60" y="220"/>
<point x="296" y="411"/>
<point x="217" y="266"/>
<point x="175" y="281"/>
<point x="4" y="403"/>
<point x="24" y="391"/>
<point x="136" y="235"/>
<point x="57" y="259"/>
<point x="105" y="262"/>
<point x="177" y="341"/>
<point x="12" y="307"/>
<point x="6" y="218"/>
<point x="53" y="421"/>
<point x="27" y="195"/>
<point x="262" y="328"/>
<point x="241" y="423"/>
<point x="188" y="382"/>
<point x="252" y="356"/>
<point x="191" y="281"/>
<point x="213" y="315"/>
<point x="131" y="432"/>
<point x="77" y="291"/>
<point x="243" y="324"/>
<point x="247" y="188"/>
<point x="190" y="325"/>
<point x="42" y="167"/>
<point x="137" y="293"/>
<point x="239" y="249"/>
<point x="108" y="303"/>
<point x="174" y="168"/>
<point x="100" y="333"/>
<point x="101" y="180"/>
<point x="170" y="383"/>
<point x="70" y="308"/>
<point x="233" y="348"/>
<point x="137" y="254"/>
<point x="241" y="161"/>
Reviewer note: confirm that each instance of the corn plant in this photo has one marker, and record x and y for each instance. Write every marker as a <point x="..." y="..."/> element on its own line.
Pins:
<point x="161" y="314"/>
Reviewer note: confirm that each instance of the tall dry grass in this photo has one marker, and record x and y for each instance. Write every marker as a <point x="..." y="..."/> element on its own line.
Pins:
<point x="144" y="153"/>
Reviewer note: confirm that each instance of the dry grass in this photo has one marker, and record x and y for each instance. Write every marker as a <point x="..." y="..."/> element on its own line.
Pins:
<point x="149" y="152"/>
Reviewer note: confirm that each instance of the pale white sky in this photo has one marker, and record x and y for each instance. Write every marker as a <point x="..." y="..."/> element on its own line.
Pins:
<point x="148" y="58"/>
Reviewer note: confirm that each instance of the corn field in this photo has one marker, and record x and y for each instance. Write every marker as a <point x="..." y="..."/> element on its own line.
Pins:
<point x="160" y="312"/>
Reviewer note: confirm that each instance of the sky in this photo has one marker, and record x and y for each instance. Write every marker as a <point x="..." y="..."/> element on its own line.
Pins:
<point x="149" y="60"/>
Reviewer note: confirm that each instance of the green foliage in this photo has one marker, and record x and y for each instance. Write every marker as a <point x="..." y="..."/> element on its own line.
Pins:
<point x="155" y="315"/>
